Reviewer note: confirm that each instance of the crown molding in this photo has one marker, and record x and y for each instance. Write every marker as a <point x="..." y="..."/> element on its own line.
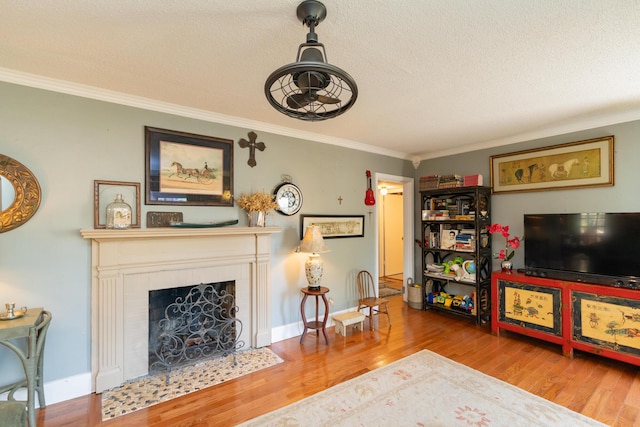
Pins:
<point x="593" y="122"/>
<point x="92" y="92"/>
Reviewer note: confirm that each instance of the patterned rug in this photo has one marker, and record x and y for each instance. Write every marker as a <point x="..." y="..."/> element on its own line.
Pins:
<point x="151" y="390"/>
<point x="424" y="389"/>
<point x="385" y="291"/>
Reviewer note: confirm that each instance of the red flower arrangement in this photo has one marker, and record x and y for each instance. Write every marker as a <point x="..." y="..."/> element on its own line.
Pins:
<point x="512" y="243"/>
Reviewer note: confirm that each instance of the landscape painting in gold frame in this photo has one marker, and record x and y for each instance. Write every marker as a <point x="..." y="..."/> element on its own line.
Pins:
<point x="580" y="164"/>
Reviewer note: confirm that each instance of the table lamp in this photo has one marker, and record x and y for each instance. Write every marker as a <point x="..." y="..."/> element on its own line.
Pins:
<point x="313" y="244"/>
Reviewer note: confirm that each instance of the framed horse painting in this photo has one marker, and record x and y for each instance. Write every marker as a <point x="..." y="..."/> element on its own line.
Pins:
<point x="580" y="164"/>
<point x="188" y="169"/>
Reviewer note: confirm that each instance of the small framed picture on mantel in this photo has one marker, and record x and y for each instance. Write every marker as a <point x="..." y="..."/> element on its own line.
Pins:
<point x="105" y="192"/>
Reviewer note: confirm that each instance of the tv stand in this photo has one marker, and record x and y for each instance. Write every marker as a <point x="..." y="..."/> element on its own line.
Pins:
<point x="598" y="319"/>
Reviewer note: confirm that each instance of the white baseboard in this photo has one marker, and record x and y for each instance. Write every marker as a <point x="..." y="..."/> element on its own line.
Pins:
<point x="60" y="390"/>
<point x="67" y="388"/>
<point x="291" y="330"/>
<point x="80" y="385"/>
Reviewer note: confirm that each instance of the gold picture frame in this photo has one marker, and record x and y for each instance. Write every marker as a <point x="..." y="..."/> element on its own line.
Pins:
<point x="104" y="192"/>
<point x="26" y="194"/>
<point x="581" y="164"/>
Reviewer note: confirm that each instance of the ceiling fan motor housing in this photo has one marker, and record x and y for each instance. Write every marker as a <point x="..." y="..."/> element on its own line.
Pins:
<point x="312" y="54"/>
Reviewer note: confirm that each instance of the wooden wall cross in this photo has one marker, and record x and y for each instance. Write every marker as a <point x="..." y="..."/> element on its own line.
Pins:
<point x="252" y="144"/>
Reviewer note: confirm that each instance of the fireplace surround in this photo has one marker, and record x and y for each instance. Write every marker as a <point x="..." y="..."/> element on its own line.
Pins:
<point x="127" y="264"/>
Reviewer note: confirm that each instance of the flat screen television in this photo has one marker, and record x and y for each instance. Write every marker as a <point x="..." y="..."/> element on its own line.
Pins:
<point x="600" y="248"/>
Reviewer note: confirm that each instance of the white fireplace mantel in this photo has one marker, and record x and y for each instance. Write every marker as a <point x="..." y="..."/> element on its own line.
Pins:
<point x="127" y="264"/>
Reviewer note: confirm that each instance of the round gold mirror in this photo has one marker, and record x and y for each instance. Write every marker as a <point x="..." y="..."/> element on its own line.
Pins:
<point x="26" y="194"/>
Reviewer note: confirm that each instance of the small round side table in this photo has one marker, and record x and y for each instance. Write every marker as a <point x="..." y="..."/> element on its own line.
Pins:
<point x="315" y="325"/>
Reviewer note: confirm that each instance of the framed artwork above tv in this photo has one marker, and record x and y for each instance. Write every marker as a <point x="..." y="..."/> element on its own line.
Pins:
<point x="580" y="164"/>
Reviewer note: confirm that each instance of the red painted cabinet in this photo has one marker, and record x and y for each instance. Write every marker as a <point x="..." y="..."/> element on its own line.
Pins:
<point x="598" y="319"/>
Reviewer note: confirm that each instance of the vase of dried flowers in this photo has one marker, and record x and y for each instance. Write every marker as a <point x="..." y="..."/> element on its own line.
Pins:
<point x="257" y="205"/>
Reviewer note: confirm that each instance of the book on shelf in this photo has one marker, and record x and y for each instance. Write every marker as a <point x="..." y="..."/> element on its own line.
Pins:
<point x="465" y="217"/>
<point x="472" y="180"/>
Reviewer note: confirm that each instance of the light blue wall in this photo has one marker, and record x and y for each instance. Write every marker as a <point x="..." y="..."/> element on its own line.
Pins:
<point x="69" y="141"/>
<point x="509" y="208"/>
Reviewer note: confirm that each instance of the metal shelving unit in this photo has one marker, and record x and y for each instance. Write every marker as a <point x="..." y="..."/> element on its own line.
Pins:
<point x="468" y="213"/>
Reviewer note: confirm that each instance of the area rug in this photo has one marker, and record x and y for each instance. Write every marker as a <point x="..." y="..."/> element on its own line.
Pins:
<point x="385" y="292"/>
<point x="424" y="389"/>
<point x="151" y="390"/>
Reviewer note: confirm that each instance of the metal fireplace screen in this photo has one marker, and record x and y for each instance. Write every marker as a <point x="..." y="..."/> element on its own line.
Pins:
<point x="192" y="323"/>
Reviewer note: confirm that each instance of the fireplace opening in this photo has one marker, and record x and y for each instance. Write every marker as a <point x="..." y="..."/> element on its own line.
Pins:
<point x="192" y="323"/>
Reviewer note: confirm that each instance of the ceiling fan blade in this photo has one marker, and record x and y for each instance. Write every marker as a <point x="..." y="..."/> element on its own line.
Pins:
<point x="327" y="100"/>
<point x="298" y="100"/>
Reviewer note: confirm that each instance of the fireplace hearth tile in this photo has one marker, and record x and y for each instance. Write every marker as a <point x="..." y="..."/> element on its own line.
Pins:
<point x="151" y="390"/>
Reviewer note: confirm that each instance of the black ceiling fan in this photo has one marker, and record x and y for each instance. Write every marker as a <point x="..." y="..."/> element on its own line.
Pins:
<point x="311" y="89"/>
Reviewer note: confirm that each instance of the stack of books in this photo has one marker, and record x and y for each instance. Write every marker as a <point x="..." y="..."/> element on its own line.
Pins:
<point x="440" y="215"/>
<point x="429" y="182"/>
<point x="451" y="181"/>
<point x="435" y="215"/>
<point x="465" y="241"/>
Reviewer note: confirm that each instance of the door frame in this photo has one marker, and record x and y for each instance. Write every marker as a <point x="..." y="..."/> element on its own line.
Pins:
<point x="407" y="225"/>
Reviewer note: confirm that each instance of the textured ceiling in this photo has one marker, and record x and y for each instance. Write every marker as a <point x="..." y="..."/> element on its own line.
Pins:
<point x="435" y="76"/>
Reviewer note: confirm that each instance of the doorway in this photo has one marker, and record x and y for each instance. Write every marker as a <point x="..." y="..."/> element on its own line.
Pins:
<point x="394" y="228"/>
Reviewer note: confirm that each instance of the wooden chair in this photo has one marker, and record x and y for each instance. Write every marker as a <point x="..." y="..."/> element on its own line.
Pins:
<point x="367" y="297"/>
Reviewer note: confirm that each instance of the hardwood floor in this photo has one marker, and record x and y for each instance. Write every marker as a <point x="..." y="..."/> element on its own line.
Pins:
<point x="600" y="388"/>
